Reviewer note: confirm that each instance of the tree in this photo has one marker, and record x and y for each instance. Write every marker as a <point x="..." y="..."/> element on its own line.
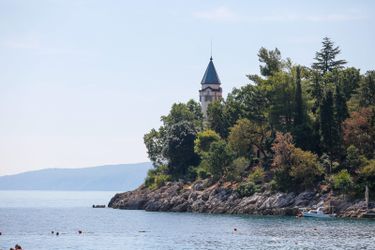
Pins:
<point x="341" y="109"/>
<point x="353" y="159"/>
<point x="219" y="159"/>
<point x="279" y="89"/>
<point x="154" y="142"/>
<point x="305" y="169"/>
<point x="299" y="110"/>
<point x="367" y="90"/>
<point x="247" y="134"/>
<point x="349" y="80"/>
<point x="302" y="131"/>
<point x="367" y="173"/>
<point x="179" y="149"/>
<point x="216" y="118"/>
<point x="189" y="112"/>
<point x="328" y="126"/>
<point x="204" y="140"/>
<point x="359" y="131"/>
<point x="342" y="181"/>
<point x="325" y="58"/>
<point x="272" y="61"/>
<point x="294" y="168"/>
<point x="249" y="101"/>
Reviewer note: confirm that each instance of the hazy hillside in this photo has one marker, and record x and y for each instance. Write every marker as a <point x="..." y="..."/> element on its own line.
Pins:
<point x="109" y="177"/>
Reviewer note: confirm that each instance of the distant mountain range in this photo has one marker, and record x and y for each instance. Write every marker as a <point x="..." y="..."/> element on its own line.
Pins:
<point x="122" y="177"/>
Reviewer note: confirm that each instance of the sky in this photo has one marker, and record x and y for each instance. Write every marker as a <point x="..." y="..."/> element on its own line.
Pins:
<point x="82" y="81"/>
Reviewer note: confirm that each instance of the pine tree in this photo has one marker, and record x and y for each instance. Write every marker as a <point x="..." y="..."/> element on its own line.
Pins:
<point x="325" y="58"/>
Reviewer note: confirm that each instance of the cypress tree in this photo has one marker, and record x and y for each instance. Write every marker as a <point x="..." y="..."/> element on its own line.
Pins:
<point x="298" y="101"/>
<point x="302" y="131"/>
<point x="341" y="109"/>
<point x="328" y="125"/>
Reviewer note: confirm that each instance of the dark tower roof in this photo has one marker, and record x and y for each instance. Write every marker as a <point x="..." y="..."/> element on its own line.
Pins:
<point x="210" y="76"/>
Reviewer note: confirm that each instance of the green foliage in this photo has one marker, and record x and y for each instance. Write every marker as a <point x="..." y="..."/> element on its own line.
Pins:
<point x="179" y="149"/>
<point x="219" y="159"/>
<point x="294" y="168"/>
<point x="367" y="173"/>
<point x="246" y="136"/>
<point x="189" y="112"/>
<point x="246" y="189"/>
<point x="325" y="58"/>
<point x="154" y="142"/>
<point x="341" y="109"/>
<point x="342" y="181"/>
<point x="257" y="175"/>
<point x="278" y="122"/>
<point x="280" y="89"/>
<point x="349" y="80"/>
<point x="305" y="170"/>
<point x="157" y="177"/>
<point x="329" y="126"/>
<point x="353" y="159"/>
<point x="202" y="173"/>
<point x="203" y="141"/>
<point x="367" y="90"/>
<point x="217" y="118"/>
<point x="272" y="61"/>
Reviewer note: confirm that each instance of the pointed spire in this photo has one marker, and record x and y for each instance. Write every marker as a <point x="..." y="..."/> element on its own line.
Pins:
<point x="210" y="76"/>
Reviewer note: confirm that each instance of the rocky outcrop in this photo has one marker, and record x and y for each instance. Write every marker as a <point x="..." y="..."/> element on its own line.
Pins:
<point x="206" y="197"/>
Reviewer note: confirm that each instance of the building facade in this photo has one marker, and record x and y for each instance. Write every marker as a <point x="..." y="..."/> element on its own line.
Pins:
<point x="211" y="89"/>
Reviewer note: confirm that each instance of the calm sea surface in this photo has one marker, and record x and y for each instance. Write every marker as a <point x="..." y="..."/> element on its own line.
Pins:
<point x="28" y="217"/>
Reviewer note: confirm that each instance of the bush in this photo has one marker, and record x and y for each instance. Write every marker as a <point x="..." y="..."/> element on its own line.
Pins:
<point x="367" y="174"/>
<point x="246" y="189"/>
<point x="342" y="181"/>
<point x="160" y="180"/>
<point x="157" y="177"/>
<point x="219" y="159"/>
<point x="237" y="169"/>
<point x="257" y="175"/>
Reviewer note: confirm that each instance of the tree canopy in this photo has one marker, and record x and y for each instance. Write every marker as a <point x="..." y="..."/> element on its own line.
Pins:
<point x="290" y="128"/>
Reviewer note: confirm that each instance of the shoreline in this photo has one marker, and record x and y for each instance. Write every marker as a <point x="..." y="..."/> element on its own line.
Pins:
<point x="221" y="198"/>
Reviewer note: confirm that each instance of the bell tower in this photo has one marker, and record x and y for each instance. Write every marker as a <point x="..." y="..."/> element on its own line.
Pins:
<point x="211" y="90"/>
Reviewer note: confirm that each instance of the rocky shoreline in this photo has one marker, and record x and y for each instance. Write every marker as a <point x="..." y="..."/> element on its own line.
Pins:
<point x="205" y="197"/>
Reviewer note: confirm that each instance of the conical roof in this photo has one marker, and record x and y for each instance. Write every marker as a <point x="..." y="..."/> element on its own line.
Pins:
<point x="210" y="76"/>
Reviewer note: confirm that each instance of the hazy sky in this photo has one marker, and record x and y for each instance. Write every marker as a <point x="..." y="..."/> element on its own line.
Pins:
<point x="82" y="81"/>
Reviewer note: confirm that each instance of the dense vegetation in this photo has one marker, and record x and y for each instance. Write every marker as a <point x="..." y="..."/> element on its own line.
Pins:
<point x="292" y="128"/>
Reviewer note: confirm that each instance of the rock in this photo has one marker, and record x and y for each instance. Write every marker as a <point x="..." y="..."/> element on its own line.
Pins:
<point x="204" y="196"/>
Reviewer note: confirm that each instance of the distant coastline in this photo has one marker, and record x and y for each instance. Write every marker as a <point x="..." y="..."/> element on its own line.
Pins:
<point x="100" y="178"/>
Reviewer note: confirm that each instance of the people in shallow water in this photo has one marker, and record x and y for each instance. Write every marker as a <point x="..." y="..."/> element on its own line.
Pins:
<point x="16" y="247"/>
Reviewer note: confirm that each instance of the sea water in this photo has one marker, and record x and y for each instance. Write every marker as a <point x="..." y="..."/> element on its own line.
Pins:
<point x="28" y="217"/>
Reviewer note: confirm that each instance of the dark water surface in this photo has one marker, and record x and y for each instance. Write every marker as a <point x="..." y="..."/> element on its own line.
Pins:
<point x="28" y="217"/>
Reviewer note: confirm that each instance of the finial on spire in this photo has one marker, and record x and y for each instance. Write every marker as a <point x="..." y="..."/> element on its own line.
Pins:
<point x="211" y="50"/>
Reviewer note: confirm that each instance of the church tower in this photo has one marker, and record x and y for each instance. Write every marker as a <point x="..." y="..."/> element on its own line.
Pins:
<point x="211" y="90"/>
